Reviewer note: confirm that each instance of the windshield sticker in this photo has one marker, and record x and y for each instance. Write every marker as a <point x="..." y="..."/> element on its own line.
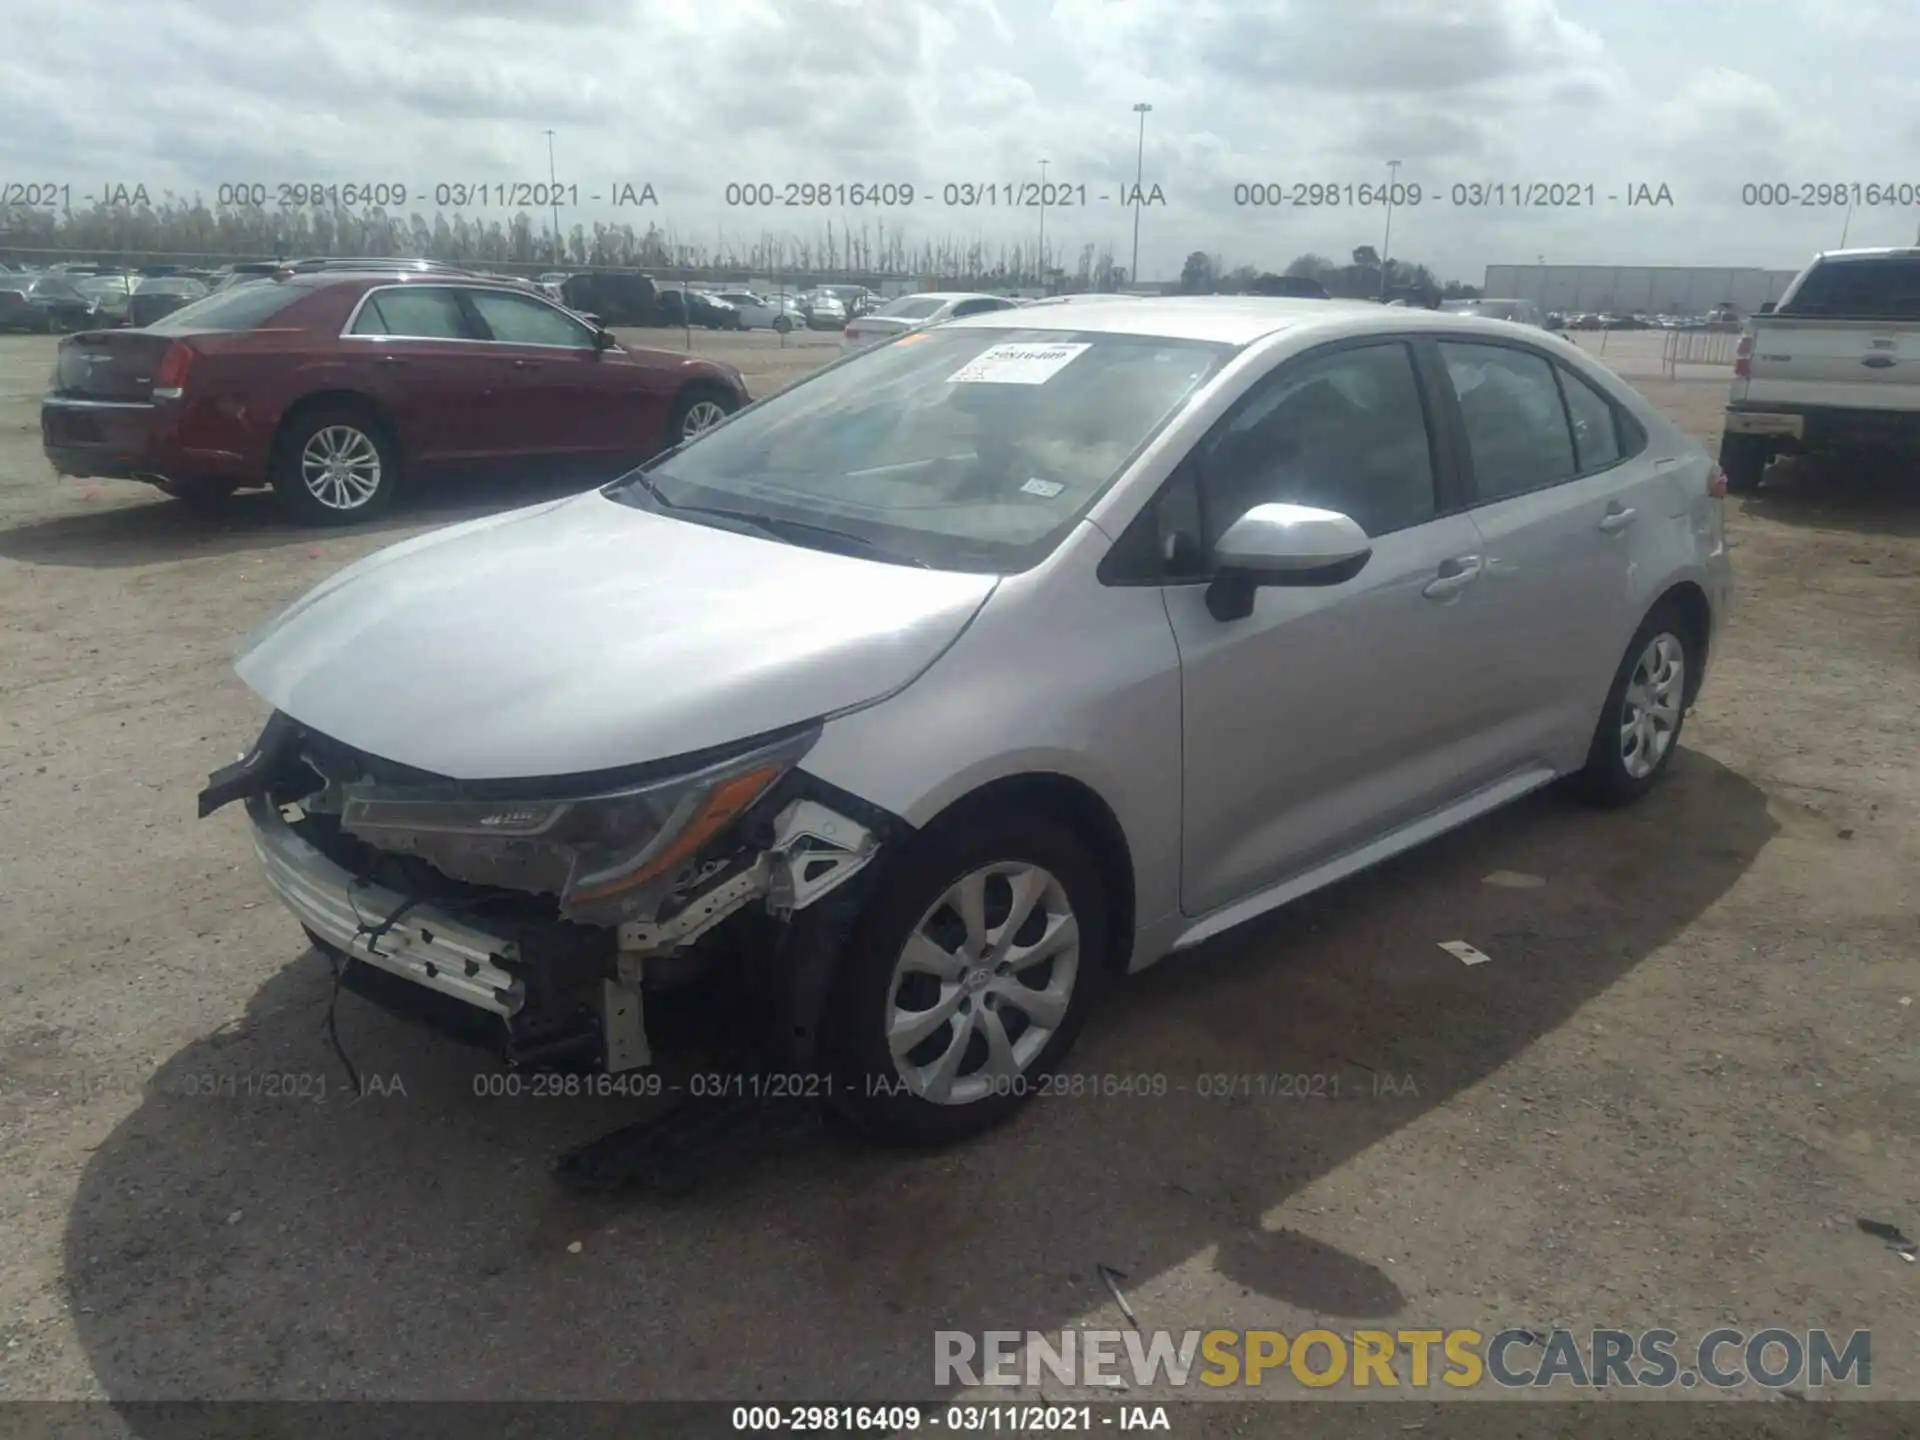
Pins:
<point x="1017" y="364"/>
<point x="1045" y="489"/>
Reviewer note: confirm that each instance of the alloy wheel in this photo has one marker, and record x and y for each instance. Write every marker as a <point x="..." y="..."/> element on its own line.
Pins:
<point x="340" y="466"/>
<point x="983" y="982"/>
<point x="702" y="416"/>
<point x="1650" y="710"/>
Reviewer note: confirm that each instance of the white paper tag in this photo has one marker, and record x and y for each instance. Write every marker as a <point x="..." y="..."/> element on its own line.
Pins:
<point x="1045" y="489"/>
<point x="1017" y="364"/>
<point x="1465" y="952"/>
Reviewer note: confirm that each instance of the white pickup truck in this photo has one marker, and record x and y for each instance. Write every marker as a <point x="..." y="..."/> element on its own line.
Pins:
<point x="1834" y="368"/>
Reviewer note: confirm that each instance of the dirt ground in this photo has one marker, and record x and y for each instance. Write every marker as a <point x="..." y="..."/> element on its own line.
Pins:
<point x="1689" y="1067"/>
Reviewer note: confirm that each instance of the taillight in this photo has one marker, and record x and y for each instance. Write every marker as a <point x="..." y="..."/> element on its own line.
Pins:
<point x="1743" y="358"/>
<point x="1717" y="483"/>
<point x="170" y="380"/>
<point x="848" y="333"/>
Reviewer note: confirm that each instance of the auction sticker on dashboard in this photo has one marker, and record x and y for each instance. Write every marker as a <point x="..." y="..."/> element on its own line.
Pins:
<point x="1045" y="489"/>
<point x="1017" y="364"/>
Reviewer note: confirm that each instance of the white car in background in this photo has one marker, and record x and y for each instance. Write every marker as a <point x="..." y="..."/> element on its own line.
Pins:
<point x="759" y="312"/>
<point x="916" y="312"/>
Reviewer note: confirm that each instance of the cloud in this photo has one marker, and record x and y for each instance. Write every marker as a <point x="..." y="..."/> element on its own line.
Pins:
<point x="691" y="95"/>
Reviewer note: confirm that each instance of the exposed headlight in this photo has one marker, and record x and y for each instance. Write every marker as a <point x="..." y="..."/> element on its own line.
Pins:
<point x="607" y="856"/>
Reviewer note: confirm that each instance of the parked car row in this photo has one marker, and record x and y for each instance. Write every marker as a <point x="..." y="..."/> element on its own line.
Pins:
<point x="50" y="301"/>
<point x="1309" y="582"/>
<point x="334" y="386"/>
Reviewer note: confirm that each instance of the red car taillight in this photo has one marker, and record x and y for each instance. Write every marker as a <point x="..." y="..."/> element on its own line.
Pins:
<point x="848" y="333"/>
<point x="1717" y="483"/>
<point x="171" y="378"/>
<point x="1743" y="358"/>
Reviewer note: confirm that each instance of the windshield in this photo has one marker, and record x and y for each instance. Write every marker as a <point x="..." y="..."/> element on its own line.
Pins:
<point x="913" y="307"/>
<point x="243" y="307"/>
<point x="970" y="449"/>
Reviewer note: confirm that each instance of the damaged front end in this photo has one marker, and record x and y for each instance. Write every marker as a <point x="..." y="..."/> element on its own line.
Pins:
<point x="539" y="915"/>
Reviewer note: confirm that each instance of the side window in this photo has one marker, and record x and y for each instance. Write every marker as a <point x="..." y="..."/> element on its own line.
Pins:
<point x="1517" y="429"/>
<point x="1344" y="431"/>
<point x="1596" y="436"/>
<point x="517" y="320"/>
<point x="976" y="307"/>
<point x="413" y="312"/>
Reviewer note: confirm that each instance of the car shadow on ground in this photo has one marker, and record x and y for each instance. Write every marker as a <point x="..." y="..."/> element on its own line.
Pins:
<point x="411" y="1245"/>
<point x="159" y="530"/>
<point x="1819" y="494"/>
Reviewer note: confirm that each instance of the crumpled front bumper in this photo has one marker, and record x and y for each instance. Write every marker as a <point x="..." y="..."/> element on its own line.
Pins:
<point x="425" y="944"/>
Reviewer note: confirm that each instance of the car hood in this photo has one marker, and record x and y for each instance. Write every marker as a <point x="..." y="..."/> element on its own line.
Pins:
<point x="586" y="634"/>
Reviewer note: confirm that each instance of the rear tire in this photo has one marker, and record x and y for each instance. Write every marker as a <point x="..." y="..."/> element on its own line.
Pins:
<point x="334" y="464"/>
<point x="1645" y="710"/>
<point x="1744" y="458"/>
<point x="782" y="325"/>
<point x="899" y="965"/>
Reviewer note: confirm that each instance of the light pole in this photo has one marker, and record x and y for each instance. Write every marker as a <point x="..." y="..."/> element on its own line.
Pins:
<point x="1386" y="244"/>
<point x="1139" y="172"/>
<point x="1846" y="225"/>
<point x="553" y="194"/>
<point x="1043" y="226"/>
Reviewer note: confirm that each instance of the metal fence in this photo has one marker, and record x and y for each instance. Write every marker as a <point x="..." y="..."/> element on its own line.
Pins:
<point x="1701" y="346"/>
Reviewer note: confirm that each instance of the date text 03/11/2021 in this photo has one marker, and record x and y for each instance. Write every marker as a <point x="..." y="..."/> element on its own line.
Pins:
<point x="351" y="195"/>
<point x="950" y="194"/>
<point x="1231" y="1088"/>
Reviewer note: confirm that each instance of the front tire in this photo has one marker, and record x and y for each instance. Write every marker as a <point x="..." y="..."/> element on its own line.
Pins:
<point x="1645" y="710"/>
<point x="969" y="979"/>
<point x="1744" y="458"/>
<point x="335" y="465"/>
<point x="698" y="411"/>
<point x="783" y="325"/>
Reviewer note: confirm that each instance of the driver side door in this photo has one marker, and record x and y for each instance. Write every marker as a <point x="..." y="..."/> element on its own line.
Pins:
<point x="1333" y="714"/>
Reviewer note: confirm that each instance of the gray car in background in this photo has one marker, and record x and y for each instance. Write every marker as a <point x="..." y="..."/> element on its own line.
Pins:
<point x="932" y="694"/>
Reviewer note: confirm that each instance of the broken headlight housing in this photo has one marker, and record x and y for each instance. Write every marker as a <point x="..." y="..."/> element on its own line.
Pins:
<point x="609" y="855"/>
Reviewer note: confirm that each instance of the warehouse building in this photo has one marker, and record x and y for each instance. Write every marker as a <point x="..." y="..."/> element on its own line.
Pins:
<point x="1648" y="289"/>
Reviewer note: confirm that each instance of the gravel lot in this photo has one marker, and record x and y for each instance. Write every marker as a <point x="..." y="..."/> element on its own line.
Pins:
<point x="1689" y="1068"/>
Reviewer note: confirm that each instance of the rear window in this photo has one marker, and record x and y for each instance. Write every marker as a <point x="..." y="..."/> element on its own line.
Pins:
<point x="1885" y="288"/>
<point x="912" y="308"/>
<point x="244" y="307"/>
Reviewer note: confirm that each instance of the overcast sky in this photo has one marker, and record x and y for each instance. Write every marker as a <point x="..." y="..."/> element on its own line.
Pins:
<point x="1702" y="96"/>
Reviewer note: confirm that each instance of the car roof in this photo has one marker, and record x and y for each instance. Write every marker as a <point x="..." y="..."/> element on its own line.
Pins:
<point x="1229" y="319"/>
<point x="373" y="277"/>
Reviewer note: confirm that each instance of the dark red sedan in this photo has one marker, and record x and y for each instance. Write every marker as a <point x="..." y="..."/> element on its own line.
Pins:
<point x="333" y="388"/>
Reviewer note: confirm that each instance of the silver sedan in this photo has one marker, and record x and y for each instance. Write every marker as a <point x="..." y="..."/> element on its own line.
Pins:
<point x="937" y="692"/>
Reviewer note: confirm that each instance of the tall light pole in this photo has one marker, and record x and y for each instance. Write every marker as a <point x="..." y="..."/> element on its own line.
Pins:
<point x="1386" y="244"/>
<point x="1846" y="225"/>
<point x="1139" y="173"/>
<point x="553" y="194"/>
<point x="1043" y="225"/>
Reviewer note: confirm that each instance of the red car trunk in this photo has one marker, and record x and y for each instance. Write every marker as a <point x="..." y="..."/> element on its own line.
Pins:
<point x="111" y="364"/>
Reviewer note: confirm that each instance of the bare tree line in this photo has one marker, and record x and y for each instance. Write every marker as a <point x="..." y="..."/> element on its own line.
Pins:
<point x="179" y="228"/>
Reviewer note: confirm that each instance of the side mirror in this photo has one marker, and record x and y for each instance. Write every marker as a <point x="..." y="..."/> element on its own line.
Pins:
<point x="1283" y="545"/>
<point x="1767" y="308"/>
<point x="603" y="338"/>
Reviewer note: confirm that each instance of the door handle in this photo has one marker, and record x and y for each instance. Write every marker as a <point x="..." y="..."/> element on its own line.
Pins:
<point x="391" y="360"/>
<point x="1617" y="519"/>
<point x="1454" y="576"/>
<point x="1879" y="362"/>
<point x="526" y="364"/>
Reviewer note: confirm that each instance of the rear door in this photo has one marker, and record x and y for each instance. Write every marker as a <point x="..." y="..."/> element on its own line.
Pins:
<point x="416" y="349"/>
<point x="1846" y="334"/>
<point x="1564" y="492"/>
